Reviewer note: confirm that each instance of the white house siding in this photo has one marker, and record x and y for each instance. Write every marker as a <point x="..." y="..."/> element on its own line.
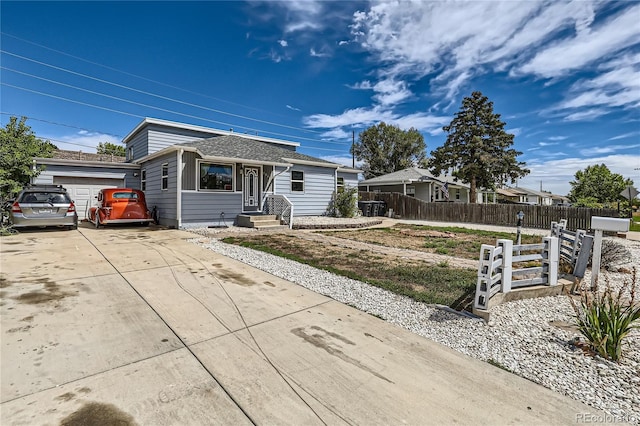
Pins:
<point x="350" y="179"/>
<point x="164" y="200"/>
<point x="205" y="208"/>
<point x="319" y="184"/>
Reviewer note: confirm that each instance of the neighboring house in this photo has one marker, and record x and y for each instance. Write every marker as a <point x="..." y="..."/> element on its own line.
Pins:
<point x="524" y="196"/>
<point x="418" y="183"/>
<point x="560" y="200"/>
<point x="198" y="176"/>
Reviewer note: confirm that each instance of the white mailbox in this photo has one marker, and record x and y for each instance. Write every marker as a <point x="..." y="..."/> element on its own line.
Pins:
<point x="599" y="224"/>
<point x="609" y="224"/>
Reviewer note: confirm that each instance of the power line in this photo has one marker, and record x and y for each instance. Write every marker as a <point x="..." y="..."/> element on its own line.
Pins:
<point x="63" y="125"/>
<point x="135" y="75"/>
<point x="143" y="105"/>
<point x="156" y="95"/>
<point x="118" y="112"/>
<point x="153" y="107"/>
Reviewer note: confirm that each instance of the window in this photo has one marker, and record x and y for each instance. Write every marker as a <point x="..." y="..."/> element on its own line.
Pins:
<point x="457" y="193"/>
<point x="297" y="181"/>
<point x="215" y="177"/>
<point x="165" y="176"/>
<point x="143" y="179"/>
<point x="340" y="184"/>
<point x="130" y="151"/>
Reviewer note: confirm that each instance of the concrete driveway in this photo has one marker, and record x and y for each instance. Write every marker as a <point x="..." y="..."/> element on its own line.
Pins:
<point x="139" y="326"/>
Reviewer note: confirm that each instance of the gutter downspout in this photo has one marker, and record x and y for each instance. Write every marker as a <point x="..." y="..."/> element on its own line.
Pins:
<point x="179" y="188"/>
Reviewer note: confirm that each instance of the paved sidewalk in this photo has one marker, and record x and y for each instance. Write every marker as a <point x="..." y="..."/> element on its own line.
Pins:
<point x="138" y="325"/>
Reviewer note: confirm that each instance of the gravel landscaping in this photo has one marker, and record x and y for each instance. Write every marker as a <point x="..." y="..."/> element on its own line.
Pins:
<point x="531" y="337"/>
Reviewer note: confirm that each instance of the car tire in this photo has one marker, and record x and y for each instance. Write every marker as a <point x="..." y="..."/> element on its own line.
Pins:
<point x="97" y="220"/>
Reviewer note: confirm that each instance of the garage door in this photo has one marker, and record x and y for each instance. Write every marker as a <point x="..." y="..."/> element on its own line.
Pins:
<point x="83" y="191"/>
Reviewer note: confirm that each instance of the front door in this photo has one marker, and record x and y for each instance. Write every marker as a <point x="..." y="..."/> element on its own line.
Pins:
<point x="251" y="189"/>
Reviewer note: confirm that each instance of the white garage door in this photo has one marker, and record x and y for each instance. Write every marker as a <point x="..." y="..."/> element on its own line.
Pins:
<point x="83" y="191"/>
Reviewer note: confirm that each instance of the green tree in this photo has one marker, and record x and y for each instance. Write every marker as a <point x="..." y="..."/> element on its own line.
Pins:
<point x="597" y="182"/>
<point x="385" y="148"/>
<point x="478" y="150"/>
<point x="110" y="148"/>
<point x="18" y="146"/>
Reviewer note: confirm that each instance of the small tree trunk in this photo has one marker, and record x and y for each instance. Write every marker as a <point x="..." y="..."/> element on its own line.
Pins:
<point x="473" y="191"/>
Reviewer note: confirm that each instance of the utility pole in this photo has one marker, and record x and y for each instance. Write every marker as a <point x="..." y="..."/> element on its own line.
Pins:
<point x="353" y="154"/>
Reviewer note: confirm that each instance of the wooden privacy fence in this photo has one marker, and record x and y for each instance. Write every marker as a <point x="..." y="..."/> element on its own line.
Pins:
<point x="535" y="216"/>
<point x="496" y="273"/>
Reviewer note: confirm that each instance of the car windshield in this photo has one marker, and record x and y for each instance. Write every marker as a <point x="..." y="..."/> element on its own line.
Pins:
<point x="125" y="195"/>
<point x="44" y="197"/>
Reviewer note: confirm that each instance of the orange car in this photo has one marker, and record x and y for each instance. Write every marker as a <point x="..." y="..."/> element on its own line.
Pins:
<point x="120" y="205"/>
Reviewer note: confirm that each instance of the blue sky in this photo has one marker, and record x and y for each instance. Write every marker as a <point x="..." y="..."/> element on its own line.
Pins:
<point x="565" y="76"/>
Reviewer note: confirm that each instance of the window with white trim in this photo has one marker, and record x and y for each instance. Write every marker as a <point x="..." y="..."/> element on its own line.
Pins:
<point x="165" y="176"/>
<point x="457" y="193"/>
<point x="130" y="153"/>
<point x="340" y="184"/>
<point x="215" y="177"/>
<point x="143" y="179"/>
<point x="297" y="181"/>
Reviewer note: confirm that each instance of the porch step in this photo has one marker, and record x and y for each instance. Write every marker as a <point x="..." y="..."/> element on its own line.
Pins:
<point x="258" y="221"/>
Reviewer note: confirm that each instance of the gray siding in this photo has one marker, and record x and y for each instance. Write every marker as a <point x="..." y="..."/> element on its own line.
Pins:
<point x="161" y="137"/>
<point x="189" y="171"/>
<point x="140" y="145"/>
<point x="204" y="208"/>
<point x="319" y="184"/>
<point x="79" y="171"/>
<point x="163" y="200"/>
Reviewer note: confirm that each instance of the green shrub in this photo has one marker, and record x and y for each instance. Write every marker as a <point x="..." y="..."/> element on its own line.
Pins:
<point x="344" y="202"/>
<point x="606" y="318"/>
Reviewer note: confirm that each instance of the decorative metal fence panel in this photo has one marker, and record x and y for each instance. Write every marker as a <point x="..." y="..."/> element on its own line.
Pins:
<point x="280" y="206"/>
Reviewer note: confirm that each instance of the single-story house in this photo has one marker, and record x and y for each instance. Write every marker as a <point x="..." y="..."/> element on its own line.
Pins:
<point x="198" y="176"/>
<point x="419" y="183"/>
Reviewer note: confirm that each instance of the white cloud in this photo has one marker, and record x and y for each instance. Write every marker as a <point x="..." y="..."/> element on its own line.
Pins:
<point x="283" y="43"/>
<point x="587" y="45"/>
<point x="557" y="138"/>
<point x="609" y="149"/>
<point x="555" y="174"/>
<point x="292" y="108"/>
<point x="624" y="136"/>
<point x="83" y="140"/>
<point x="316" y="54"/>
<point x="337" y="133"/>
<point x="342" y="159"/>
<point x="589" y="114"/>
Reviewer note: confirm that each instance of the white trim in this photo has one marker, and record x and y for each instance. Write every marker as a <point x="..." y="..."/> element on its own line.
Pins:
<point x="240" y="160"/>
<point x="97" y="175"/>
<point x="83" y="163"/>
<point x="162" y="176"/>
<point x="224" y="191"/>
<point x="180" y="167"/>
<point x="349" y="170"/>
<point x="173" y="124"/>
<point x="260" y="190"/>
<point x="291" y="181"/>
<point x="312" y="163"/>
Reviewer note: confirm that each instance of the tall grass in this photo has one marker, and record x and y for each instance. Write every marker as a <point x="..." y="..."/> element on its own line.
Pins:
<point x="605" y="318"/>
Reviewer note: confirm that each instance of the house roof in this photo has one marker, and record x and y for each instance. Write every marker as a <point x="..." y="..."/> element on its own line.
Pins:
<point x="242" y="148"/>
<point x="206" y="130"/>
<point x="410" y="175"/>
